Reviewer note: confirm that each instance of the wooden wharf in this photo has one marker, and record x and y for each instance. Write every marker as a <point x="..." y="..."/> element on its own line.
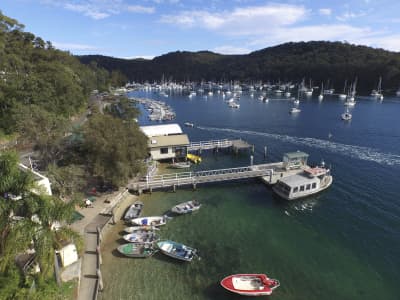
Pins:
<point x="269" y="173"/>
<point x="236" y="145"/>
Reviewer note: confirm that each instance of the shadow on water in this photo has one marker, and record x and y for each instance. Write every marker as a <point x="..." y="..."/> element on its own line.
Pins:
<point x="216" y="291"/>
<point x="165" y="258"/>
<point x="116" y="253"/>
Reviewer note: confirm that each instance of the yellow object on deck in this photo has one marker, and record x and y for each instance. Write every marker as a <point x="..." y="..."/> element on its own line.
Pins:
<point x="194" y="158"/>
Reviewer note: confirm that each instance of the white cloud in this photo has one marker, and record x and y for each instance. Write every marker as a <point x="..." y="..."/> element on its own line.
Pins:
<point x="348" y="15"/>
<point x="140" y="9"/>
<point x="325" y="11"/>
<point x="240" y="21"/>
<point x="231" y="50"/>
<point x="71" y="46"/>
<point x="99" y="9"/>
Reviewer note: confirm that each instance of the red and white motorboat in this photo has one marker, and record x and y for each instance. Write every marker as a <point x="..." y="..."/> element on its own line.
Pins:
<point x="250" y="284"/>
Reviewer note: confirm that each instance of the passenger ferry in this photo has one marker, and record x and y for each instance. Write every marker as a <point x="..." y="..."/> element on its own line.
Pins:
<point x="311" y="181"/>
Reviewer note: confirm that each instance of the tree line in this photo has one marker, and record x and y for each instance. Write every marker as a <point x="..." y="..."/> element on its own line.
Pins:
<point x="320" y="61"/>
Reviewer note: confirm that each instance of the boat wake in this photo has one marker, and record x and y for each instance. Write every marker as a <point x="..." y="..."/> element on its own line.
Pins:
<point x="363" y="153"/>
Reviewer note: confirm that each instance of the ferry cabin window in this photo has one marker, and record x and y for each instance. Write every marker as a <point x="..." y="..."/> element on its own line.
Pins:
<point x="308" y="187"/>
<point x="164" y="150"/>
<point x="302" y="188"/>
<point x="314" y="185"/>
<point x="296" y="189"/>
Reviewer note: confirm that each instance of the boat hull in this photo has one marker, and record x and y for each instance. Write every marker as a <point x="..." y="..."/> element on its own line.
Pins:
<point x="280" y="194"/>
<point x="134" y="211"/>
<point x="186" y="207"/>
<point x="177" y="250"/>
<point x="136" y="250"/>
<point x="250" y="284"/>
<point x="152" y="221"/>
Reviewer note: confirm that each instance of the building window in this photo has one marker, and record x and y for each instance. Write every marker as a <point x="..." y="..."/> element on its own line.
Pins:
<point x="302" y="188"/>
<point x="295" y="190"/>
<point x="314" y="185"/>
<point x="308" y="187"/>
<point x="164" y="150"/>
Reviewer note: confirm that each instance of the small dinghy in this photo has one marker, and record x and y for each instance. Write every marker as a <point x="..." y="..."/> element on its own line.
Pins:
<point x="136" y="250"/>
<point x="186" y="207"/>
<point x="250" y="284"/>
<point x="152" y="221"/>
<point x="134" y="211"/>
<point x="145" y="237"/>
<point x="180" y="165"/>
<point x="177" y="250"/>
<point x="139" y="229"/>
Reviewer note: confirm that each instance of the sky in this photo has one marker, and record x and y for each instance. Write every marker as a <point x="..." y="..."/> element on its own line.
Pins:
<point x="149" y="28"/>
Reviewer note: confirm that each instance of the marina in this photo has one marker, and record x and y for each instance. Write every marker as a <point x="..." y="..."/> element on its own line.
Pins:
<point x="227" y="227"/>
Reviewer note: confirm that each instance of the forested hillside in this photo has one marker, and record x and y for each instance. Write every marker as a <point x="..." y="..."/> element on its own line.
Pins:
<point x="318" y="61"/>
<point x="33" y="72"/>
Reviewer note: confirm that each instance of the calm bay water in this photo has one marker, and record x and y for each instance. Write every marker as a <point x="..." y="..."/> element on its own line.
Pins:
<point x="341" y="244"/>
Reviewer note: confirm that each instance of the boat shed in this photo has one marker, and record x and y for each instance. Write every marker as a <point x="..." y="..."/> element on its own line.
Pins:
<point x="166" y="141"/>
<point x="295" y="160"/>
<point x="159" y="130"/>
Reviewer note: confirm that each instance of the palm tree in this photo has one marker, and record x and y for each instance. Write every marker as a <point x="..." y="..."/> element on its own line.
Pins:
<point x="37" y="215"/>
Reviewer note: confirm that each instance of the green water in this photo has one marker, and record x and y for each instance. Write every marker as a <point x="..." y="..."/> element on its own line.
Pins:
<point x="241" y="228"/>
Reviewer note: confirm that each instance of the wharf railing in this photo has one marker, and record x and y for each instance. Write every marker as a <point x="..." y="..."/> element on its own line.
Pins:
<point x="207" y="145"/>
<point x="193" y="178"/>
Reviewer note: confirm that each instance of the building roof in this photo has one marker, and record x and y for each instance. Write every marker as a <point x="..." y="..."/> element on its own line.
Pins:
<point x="297" y="154"/>
<point x="168" y="140"/>
<point x="159" y="130"/>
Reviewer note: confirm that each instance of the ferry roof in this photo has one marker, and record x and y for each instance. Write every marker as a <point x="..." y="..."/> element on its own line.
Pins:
<point x="298" y="179"/>
<point x="297" y="154"/>
<point x="159" y="130"/>
<point x="169" y="140"/>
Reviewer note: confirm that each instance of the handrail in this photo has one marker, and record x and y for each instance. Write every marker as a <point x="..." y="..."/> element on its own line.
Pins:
<point x="186" y="178"/>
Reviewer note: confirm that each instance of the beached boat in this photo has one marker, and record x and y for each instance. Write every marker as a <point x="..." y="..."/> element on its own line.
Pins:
<point x="133" y="229"/>
<point x="134" y="211"/>
<point x="309" y="182"/>
<point x="180" y="165"/>
<point x="186" y="207"/>
<point x="152" y="221"/>
<point x="177" y="250"/>
<point x="143" y="237"/>
<point x="136" y="250"/>
<point x="250" y="284"/>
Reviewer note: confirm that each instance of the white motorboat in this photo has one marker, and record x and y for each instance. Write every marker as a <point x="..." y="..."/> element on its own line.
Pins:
<point x="177" y="250"/>
<point x="140" y="229"/>
<point x="134" y="211"/>
<point x="148" y="237"/>
<point x="186" y="207"/>
<point x="152" y="221"/>
<point x="180" y="165"/>
<point x="234" y="105"/>
<point x="294" y="110"/>
<point x="346" y="116"/>
<point x="311" y="181"/>
<point x="188" y="124"/>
